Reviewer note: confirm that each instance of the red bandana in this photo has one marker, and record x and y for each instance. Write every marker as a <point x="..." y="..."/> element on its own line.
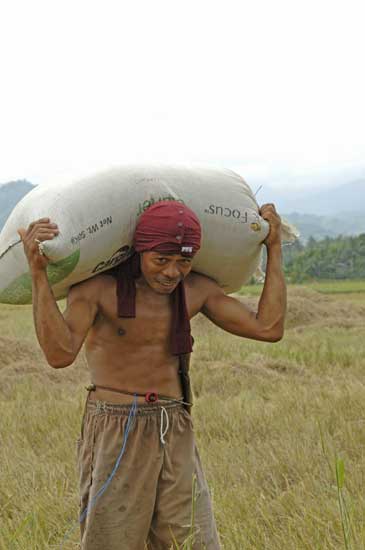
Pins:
<point x="168" y="227"/>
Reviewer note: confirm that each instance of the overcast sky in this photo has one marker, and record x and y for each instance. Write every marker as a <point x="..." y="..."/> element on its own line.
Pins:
<point x="274" y="90"/>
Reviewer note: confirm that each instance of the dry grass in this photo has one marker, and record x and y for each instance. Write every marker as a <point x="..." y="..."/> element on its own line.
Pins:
<point x="270" y="420"/>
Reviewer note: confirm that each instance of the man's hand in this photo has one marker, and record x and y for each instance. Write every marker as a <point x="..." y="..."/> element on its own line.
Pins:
<point x="37" y="232"/>
<point x="268" y="213"/>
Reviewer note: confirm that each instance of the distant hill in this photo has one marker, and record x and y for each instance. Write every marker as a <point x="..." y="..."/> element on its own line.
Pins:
<point x="336" y="211"/>
<point x="339" y="210"/>
<point x="10" y="195"/>
<point x="319" y="227"/>
<point x="348" y="197"/>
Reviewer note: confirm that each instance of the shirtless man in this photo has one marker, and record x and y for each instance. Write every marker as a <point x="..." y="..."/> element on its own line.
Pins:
<point x="146" y="502"/>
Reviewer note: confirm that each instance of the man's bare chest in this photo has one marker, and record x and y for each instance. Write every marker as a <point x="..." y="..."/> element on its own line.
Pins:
<point x="147" y="328"/>
<point x="150" y="327"/>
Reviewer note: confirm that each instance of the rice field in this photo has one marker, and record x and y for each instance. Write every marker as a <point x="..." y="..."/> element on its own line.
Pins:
<point x="280" y="427"/>
<point x="330" y="286"/>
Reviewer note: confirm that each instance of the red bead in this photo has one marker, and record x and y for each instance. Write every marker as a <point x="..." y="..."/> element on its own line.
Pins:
<point x="151" y="397"/>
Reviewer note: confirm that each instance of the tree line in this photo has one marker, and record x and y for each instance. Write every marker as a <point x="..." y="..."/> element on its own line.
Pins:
<point x="341" y="257"/>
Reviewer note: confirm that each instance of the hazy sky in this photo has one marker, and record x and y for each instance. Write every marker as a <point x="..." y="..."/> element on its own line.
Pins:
<point x="272" y="89"/>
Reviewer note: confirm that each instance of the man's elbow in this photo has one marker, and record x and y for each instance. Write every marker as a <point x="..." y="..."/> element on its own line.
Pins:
<point x="60" y="362"/>
<point x="275" y="335"/>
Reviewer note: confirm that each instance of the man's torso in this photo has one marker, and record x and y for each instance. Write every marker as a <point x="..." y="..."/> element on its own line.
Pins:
<point x="133" y="354"/>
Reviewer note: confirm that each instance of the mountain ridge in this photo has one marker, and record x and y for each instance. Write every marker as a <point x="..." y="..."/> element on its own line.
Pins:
<point x="347" y="197"/>
<point x="339" y="210"/>
<point x="10" y="194"/>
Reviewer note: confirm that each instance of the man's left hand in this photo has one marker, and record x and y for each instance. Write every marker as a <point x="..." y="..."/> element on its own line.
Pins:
<point x="268" y="213"/>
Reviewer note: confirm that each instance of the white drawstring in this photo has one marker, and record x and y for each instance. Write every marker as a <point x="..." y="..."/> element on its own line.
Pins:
<point x="163" y="432"/>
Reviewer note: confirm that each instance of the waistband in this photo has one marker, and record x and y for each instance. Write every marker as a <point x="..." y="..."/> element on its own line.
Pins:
<point x="149" y="396"/>
<point x="116" y="409"/>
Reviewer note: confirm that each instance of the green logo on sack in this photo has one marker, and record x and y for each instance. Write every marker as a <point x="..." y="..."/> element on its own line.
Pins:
<point x="149" y="202"/>
<point x="20" y="290"/>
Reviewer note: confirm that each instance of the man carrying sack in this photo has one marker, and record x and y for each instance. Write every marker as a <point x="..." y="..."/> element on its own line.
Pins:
<point x="137" y="455"/>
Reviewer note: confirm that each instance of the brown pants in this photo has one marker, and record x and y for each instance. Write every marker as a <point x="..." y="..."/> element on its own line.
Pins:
<point x="148" y="502"/>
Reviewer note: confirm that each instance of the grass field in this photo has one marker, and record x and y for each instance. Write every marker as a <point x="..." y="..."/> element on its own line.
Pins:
<point x="330" y="286"/>
<point x="271" y="420"/>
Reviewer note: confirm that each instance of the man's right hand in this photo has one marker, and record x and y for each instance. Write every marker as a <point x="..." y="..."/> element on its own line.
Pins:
<point x="37" y="232"/>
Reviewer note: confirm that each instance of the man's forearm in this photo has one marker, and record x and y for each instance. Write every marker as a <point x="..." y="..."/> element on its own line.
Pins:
<point x="272" y="304"/>
<point x="53" y="334"/>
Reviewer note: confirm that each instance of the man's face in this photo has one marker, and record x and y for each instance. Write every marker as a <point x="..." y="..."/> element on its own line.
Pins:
<point x="163" y="272"/>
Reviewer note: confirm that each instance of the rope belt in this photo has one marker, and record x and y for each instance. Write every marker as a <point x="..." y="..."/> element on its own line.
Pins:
<point x="149" y="397"/>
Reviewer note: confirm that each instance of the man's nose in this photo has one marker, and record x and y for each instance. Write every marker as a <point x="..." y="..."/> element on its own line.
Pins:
<point x="171" y="271"/>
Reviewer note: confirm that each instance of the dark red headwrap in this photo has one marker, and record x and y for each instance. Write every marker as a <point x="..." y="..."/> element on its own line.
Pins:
<point x="168" y="227"/>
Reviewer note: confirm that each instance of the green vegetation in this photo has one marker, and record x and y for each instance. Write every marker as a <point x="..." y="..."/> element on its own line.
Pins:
<point x="325" y="286"/>
<point x="280" y="428"/>
<point x="337" y="258"/>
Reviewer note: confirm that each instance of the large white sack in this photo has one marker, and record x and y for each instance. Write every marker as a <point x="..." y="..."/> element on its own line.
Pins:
<point x="97" y="215"/>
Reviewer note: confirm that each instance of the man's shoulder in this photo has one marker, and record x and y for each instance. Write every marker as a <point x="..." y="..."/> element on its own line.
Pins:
<point x="202" y="283"/>
<point x="92" y="286"/>
<point x="199" y="289"/>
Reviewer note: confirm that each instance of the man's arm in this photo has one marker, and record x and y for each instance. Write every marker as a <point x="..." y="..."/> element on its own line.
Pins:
<point x="268" y="323"/>
<point x="60" y="337"/>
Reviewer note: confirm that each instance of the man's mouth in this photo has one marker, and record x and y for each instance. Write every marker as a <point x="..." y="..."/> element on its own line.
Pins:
<point x="168" y="284"/>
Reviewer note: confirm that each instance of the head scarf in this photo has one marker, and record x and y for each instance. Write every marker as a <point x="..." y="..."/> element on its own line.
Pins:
<point x="168" y="227"/>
